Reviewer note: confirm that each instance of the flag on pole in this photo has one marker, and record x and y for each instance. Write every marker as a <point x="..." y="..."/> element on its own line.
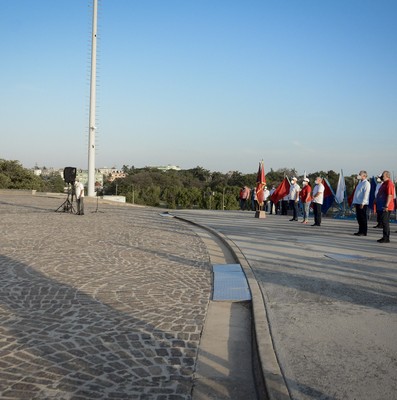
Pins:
<point x="329" y="196"/>
<point x="260" y="184"/>
<point x="341" y="189"/>
<point x="281" y="191"/>
<point x="372" y="193"/>
<point x="351" y="197"/>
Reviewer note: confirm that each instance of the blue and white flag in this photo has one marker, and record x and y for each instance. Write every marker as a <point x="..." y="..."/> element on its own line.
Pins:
<point x="341" y="189"/>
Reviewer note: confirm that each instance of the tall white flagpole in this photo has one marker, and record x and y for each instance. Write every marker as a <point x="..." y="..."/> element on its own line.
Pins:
<point x="92" y="127"/>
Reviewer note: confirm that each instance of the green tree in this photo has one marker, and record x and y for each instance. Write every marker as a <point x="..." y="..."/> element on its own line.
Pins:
<point x="53" y="183"/>
<point x="15" y="176"/>
<point x="5" y="181"/>
<point x="236" y="178"/>
<point x="201" y="174"/>
<point x="169" y="195"/>
<point x="150" y="195"/>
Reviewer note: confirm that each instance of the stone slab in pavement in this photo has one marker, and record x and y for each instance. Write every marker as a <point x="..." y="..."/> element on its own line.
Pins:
<point x="109" y="305"/>
<point x="330" y="299"/>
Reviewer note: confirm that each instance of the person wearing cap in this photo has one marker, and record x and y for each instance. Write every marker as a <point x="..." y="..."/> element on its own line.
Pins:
<point x="385" y="202"/>
<point x="318" y="198"/>
<point x="305" y="196"/>
<point x="266" y="194"/>
<point x="361" y="201"/>
<point x="272" y="190"/>
<point x="79" y="190"/>
<point x="294" y="190"/>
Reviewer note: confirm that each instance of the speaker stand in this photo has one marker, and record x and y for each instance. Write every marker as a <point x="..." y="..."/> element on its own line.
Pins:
<point x="67" y="205"/>
<point x="97" y="205"/>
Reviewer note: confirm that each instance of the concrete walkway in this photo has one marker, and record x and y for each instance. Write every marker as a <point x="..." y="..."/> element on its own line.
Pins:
<point x="330" y="299"/>
<point x="225" y="367"/>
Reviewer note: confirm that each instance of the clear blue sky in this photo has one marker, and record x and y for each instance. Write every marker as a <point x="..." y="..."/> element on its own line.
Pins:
<point x="222" y="84"/>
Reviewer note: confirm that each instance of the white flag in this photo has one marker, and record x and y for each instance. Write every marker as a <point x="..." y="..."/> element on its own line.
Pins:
<point x="340" y="190"/>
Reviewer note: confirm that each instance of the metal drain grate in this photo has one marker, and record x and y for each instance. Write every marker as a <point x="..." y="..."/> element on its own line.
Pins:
<point x="230" y="283"/>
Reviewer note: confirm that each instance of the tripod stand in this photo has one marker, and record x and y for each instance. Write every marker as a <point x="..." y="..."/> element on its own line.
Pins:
<point x="97" y="202"/>
<point x="67" y="205"/>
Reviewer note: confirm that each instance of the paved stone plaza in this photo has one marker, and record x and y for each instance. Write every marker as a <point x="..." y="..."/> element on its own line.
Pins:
<point x="109" y="305"/>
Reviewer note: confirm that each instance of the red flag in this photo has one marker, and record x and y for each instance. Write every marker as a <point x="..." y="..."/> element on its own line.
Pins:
<point x="351" y="197"/>
<point x="281" y="191"/>
<point x="329" y="196"/>
<point x="260" y="184"/>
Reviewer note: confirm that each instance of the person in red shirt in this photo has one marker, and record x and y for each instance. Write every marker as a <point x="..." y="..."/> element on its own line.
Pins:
<point x="305" y="196"/>
<point x="244" y="197"/>
<point x="385" y="202"/>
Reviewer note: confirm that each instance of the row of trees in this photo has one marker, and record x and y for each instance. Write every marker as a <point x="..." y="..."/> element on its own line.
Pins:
<point x="14" y="176"/>
<point x="199" y="187"/>
<point x="191" y="188"/>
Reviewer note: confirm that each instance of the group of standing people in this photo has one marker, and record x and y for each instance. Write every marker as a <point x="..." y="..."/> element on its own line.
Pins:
<point x="384" y="202"/>
<point x="307" y="196"/>
<point x="246" y="194"/>
<point x="314" y="197"/>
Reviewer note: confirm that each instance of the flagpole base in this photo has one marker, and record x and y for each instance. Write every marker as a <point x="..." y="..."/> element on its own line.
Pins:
<point x="260" y="214"/>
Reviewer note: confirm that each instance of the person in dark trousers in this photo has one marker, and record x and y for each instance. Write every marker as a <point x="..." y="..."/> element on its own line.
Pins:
<point x="294" y="198"/>
<point x="272" y="190"/>
<point x="378" y="212"/>
<point x="385" y="202"/>
<point x="318" y="198"/>
<point x="79" y="190"/>
<point x="361" y="201"/>
<point x="284" y="205"/>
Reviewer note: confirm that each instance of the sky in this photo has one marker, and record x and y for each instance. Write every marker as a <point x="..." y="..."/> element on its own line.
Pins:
<point x="221" y="84"/>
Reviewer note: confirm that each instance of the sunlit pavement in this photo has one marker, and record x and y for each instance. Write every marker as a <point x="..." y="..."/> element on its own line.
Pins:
<point x="330" y="297"/>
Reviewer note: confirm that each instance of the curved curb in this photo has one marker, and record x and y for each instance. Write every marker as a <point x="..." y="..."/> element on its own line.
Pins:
<point x="271" y="382"/>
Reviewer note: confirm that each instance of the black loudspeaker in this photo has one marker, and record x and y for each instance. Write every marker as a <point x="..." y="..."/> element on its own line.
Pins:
<point x="69" y="174"/>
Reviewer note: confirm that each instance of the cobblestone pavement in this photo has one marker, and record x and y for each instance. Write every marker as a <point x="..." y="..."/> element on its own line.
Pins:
<point x="109" y="305"/>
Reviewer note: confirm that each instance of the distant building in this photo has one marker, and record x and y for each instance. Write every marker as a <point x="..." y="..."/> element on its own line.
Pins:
<point x="107" y="171"/>
<point x="112" y="173"/>
<point x="82" y="176"/>
<point x="47" y="171"/>
<point x="169" y="168"/>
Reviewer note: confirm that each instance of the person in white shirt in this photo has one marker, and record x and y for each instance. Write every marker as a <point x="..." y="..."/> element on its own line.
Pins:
<point x="361" y="201"/>
<point x="318" y="198"/>
<point x="266" y="193"/>
<point x="79" y="191"/>
<point x="294" y="190"/>
<point x="272" y="190"/>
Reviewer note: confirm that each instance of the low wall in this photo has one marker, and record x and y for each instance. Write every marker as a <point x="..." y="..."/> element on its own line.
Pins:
<point x="119" y="199"/>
